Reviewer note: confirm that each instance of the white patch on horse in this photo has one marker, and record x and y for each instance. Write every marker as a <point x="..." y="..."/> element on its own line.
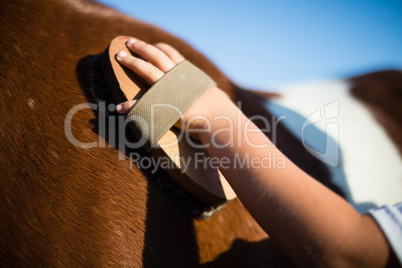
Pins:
<point x="367" y="165"/>
<point x="31" y="103"/>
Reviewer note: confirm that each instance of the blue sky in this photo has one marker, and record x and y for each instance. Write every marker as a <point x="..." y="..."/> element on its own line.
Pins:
<point x="264" y="43"/>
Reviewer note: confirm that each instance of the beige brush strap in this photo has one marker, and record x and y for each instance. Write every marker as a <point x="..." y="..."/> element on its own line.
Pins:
<point x="165" y="102"/>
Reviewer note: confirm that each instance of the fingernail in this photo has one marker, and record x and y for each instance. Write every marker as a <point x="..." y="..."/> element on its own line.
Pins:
<point x="119" y="107"/>
<point x="121" y="55"/>
<point x="131" y="41"/>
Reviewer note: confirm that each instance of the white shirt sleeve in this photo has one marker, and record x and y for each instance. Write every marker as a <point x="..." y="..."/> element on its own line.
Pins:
<point x="389" y="218"/>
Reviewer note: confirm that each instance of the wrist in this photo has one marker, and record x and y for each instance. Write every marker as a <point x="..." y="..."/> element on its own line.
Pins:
<point x="211" y="103"/>
<point x="218" y="106"/>
<point x="222" y="115"/>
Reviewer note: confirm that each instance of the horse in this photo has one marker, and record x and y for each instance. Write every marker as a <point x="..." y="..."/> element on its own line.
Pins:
<point x="68" y="205"/>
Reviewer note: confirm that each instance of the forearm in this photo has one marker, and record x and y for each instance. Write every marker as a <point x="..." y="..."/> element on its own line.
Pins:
<point x="308" y="221"/>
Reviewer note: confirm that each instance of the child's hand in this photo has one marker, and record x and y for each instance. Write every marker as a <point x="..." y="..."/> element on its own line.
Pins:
<point x="158" y="60"/>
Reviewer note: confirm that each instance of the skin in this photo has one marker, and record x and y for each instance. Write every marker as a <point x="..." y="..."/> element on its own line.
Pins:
<point x="312" y="225"/>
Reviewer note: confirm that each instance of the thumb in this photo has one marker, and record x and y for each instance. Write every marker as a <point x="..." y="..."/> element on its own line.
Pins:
<point x="126" y="106"/>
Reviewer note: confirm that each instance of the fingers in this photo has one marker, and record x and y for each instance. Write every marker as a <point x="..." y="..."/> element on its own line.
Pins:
<point x="161" y="58"/>
<point x="151" y="54"/>
<point x="172" y="53"/>
<point x="144" y="69"/>
<point x="126" y="106"/>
